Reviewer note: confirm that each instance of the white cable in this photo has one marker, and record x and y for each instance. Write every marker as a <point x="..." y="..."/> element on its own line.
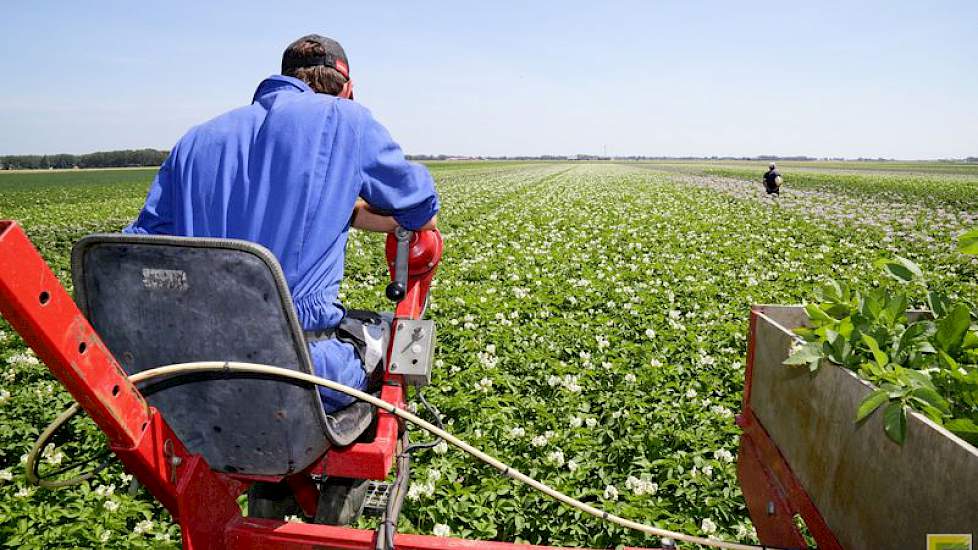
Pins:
<point x="235" y="367"/>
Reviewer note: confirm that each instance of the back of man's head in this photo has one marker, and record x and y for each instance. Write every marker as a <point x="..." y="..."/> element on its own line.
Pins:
<point x="318" y="61"/>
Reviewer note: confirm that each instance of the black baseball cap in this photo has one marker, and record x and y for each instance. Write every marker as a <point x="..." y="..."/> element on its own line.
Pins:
<point x="334" y="57"/>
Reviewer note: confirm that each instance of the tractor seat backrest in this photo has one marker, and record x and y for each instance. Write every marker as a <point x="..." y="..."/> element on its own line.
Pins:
<point x="160" y="300"/>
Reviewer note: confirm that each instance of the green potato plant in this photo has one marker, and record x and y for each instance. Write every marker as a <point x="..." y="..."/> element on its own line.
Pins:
<point x="929" y="363"/>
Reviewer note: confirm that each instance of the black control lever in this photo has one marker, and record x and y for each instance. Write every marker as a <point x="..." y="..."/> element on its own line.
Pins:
<point x="398" y="287"/>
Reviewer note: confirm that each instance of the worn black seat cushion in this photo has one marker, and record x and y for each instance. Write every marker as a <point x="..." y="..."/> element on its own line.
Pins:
<point x="158" y="300"/>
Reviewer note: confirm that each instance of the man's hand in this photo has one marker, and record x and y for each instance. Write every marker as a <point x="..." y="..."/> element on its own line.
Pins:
<point x="366" y="219"/>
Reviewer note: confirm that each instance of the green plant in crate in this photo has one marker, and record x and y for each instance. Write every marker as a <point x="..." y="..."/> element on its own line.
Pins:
<point x="928" y="363"/>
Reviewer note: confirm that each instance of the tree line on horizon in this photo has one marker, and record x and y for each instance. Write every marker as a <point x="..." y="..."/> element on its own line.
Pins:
<point x="155" y="157"/>
<point x="99" y="159"/>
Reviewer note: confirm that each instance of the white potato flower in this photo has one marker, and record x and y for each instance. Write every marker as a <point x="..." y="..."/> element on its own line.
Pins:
<point x="51" y="455"/>
<point x="143" y="527"/>
<point x="23" y="358"/>
<point x="641" y="486"/>
<point x="419" y="490"/>
<point x="557" y="457"/>
<point x="744" y="531"/>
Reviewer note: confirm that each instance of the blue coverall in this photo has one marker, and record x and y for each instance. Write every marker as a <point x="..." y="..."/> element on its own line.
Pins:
<point x="285" y="172"/>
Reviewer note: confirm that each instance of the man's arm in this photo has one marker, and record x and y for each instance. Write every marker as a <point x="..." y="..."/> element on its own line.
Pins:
<point x="391" y="185"/>
<point x="366" y="219"/>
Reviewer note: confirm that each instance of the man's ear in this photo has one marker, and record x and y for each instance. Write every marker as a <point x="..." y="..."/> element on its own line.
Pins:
<point x="347" y="91"/>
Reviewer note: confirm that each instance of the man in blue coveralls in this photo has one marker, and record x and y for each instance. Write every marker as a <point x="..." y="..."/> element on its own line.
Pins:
<point x="293" y="171"/>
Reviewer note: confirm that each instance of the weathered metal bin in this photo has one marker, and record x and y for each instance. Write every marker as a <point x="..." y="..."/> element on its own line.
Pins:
<point x="802" y="454"/>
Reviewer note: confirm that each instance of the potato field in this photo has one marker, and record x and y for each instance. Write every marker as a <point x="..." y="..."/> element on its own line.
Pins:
<point x="592" y="332"/>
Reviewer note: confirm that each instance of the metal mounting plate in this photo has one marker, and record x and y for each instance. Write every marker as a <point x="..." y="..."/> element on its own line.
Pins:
<point x="414" y="346"/>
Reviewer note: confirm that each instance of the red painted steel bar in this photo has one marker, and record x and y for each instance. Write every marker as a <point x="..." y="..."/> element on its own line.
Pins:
<point x="772" y="492"/>
<point x="255" y="534"/>
<point x="41" y="311"/>
<point x="374" y="460"/>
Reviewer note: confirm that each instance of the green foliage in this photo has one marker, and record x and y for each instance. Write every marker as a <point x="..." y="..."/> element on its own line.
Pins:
<point x="928" y="364"/>
<point x="101" y="159"/>
<point x="968" y="242"/>
<point x="958" y="189"/>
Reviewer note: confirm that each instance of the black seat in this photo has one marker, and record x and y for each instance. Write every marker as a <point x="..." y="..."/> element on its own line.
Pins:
<point x="159" y="300"/>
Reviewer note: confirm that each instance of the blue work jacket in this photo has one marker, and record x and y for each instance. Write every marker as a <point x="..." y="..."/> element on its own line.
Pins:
<point x="285" y="172"/>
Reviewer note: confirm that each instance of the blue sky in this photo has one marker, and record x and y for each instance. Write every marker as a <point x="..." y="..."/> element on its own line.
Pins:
<point x="894" y="79"/>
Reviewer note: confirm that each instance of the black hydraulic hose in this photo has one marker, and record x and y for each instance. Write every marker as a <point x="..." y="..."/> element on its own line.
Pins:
<point x="395" y="500"/>
<point x="436" y="415"/>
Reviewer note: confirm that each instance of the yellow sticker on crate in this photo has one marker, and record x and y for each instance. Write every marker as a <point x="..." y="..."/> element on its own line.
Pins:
<point x="949" y="542"/>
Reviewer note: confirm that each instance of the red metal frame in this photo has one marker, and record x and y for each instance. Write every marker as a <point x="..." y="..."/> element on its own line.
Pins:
<point x="374" y="460"/>
<point x="203" y="501"/>
<point x="772" y="492"/>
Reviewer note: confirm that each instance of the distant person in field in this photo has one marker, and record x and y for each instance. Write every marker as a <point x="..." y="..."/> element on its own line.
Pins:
<point x="772" y="180"/>
<point x="293" y="171"/>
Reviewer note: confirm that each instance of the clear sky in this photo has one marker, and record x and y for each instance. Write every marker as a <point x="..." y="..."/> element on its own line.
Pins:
<point x="889" y="78"/>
